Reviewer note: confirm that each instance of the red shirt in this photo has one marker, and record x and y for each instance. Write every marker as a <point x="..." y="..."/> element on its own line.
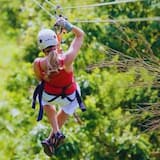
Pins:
<point x="59" y="82"/>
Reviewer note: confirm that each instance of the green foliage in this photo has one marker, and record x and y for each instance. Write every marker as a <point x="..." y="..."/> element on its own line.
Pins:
<point x="18" y="78"/>
<point x="109" y="128"/>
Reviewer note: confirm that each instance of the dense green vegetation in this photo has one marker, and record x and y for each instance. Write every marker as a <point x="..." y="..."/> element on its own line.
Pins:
<point x="117" y="69"/>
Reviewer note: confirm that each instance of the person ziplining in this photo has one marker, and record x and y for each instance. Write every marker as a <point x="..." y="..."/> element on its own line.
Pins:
<point x="57" y="83"/>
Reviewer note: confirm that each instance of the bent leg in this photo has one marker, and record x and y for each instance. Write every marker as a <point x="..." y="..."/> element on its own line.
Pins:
<point x="61" y="118"/>
<point x="52" y="118"/>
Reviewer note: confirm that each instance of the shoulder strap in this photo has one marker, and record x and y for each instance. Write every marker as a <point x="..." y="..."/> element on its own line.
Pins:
<point x="61" y="60"/>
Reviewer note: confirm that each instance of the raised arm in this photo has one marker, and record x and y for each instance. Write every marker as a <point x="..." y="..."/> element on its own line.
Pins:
<point x="75" y="46"/>
<point x="76" y="43"/>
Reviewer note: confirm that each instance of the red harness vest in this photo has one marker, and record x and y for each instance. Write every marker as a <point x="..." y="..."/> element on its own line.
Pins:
<point x="60" y="83"/>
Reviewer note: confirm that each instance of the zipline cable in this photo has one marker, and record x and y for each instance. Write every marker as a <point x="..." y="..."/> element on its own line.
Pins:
<point x="100" y="20"/>
<point x="102" y="4"/>
<point x="57" y="8"/>
<point x="52" y="16"/>
<point x="50" y="3"/>
<point x="118" y="20"/>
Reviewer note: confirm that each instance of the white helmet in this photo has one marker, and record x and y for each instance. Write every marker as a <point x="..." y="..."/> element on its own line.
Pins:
<point x="46" y="38"/>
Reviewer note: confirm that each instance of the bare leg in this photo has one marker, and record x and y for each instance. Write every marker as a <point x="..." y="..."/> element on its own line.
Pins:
<point x="61" y="117"/>
<point x="52" y="117"/>
<point x="56" y="120"/>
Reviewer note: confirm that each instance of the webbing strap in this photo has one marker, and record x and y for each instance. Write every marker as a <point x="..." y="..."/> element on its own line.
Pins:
<point x="53" y="99"/>
<point x="38" y="92"/>
<point x="63" y="96"/>
<point x="81" y="104"/>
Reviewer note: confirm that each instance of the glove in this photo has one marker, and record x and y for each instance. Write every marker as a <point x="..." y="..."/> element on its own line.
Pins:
<point x="61" y="21"/>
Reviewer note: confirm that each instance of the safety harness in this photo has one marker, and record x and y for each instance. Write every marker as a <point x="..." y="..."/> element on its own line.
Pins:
<point x="38" y="93"/>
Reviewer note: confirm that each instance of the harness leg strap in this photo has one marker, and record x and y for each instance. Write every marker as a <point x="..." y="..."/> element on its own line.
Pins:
<point x="81" y="104"/>
<point x="40" y="115"/>
<point x="35" y="96"/>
